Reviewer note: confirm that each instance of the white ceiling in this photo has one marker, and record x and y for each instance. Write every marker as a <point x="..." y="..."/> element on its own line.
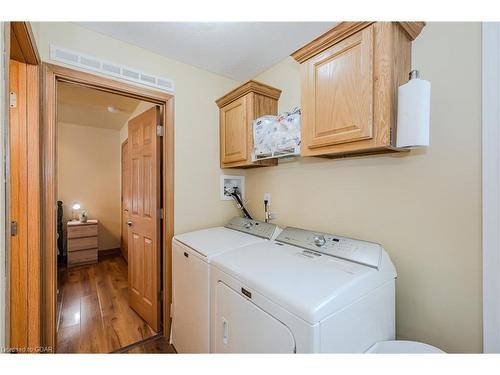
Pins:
<point x="89" y="107"/>
<point x="237" y="50"/>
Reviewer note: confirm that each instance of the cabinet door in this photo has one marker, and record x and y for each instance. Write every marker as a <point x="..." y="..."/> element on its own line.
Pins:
<point x="234" y="131"/>
<point x="337" y="93"/>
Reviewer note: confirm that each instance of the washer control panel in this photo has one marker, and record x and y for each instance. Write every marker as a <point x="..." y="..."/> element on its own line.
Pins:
<point x="363" y="252"/>
<point x="255" y="227"/>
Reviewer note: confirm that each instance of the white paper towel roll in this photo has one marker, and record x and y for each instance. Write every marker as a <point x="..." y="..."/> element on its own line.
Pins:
<point x="414" y="104"/>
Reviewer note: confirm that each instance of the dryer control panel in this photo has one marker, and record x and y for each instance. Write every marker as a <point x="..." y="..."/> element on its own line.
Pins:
<point x="255" y="227"/>
<point x="363" y="252"/>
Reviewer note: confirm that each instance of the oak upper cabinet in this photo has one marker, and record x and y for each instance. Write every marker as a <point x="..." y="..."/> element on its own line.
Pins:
<point x="349" y="81"/>
<point x="237" y="111"/>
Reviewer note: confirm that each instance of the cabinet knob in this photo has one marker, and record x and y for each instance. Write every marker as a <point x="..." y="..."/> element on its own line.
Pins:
<point x="129" y="223"/>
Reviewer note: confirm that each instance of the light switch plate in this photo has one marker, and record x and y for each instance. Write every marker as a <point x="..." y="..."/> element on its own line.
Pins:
<point x="231" y="182"/>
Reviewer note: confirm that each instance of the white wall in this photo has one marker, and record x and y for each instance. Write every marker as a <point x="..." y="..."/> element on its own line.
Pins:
<point x="88" y="165"/>
<point x="197" y="171"/>
<point x="425" y="207"/>
<point x="142" y="107"/>
<point x="3" y="128"/>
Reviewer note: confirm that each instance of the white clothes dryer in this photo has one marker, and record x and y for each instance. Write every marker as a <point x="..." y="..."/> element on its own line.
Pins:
<point x="306" y="292"/>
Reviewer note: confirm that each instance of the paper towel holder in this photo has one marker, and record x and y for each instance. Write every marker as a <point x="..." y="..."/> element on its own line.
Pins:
<point x="413" y="116"/>
<point x="414" y="74"/>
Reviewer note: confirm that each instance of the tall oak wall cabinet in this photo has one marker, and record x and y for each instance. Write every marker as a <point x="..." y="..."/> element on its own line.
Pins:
<point x="349" y="82"/>
<point x="238" y="109"/>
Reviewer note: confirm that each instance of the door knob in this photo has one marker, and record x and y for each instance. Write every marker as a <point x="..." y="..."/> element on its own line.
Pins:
<point x="129" y="223"/>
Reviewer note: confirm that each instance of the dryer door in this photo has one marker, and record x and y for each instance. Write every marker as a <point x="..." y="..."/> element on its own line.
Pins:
<point x="243" y="327"/>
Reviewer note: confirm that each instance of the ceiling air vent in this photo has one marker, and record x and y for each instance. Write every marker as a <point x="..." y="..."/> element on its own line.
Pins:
<point x="130" y="74"/>
<point x="59" y="54"/>
<point x="166" y="84"/>
<point x="109" y="68"/>
<point x="148" y="79"/>
<point x="91" y="63"/>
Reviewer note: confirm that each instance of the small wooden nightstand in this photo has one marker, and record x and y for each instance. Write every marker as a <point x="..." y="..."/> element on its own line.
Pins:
<point x="83" y="243"/>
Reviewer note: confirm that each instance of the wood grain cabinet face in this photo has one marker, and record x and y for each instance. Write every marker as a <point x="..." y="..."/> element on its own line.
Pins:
<point x="349" y="81"/>
<point x="233" y="128"/>
<point x="338" y="93"/>
<point x="237" y="111"/>
<point x="83" y="243"/>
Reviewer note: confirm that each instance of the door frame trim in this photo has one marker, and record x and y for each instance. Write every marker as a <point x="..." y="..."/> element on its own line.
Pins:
<point x="125" y="142"/>
<point x="51" y="75"/>
<point x="491" y="185"/>
<point x="23" y="34"/>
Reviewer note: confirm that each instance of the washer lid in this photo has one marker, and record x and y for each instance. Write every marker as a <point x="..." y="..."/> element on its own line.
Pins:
<point x="212" y="241"/>
<point x="309" y="284"/>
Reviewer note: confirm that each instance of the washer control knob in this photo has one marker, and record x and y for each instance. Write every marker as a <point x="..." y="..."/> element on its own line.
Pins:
<point x="248" y="225"/>
<point x="319" y="240"/>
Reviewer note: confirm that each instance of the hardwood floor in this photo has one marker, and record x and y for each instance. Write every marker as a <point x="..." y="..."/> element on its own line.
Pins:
<point x="94" y="313"/>
<point x="154" y="345"/>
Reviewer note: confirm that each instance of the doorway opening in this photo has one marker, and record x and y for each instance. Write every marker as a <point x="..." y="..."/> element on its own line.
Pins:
<point x="108" y="168"/>
<point x="100" y="308"/>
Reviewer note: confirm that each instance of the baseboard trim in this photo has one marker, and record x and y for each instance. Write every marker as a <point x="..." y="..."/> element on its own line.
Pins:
<point x="106" y="252"/>
<point x="136" y="344"/>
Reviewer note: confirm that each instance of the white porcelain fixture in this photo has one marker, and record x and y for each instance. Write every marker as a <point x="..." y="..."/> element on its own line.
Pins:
<point x="306" y="292"/>
<point x="191" y="256"/>
<point x="403" y="347"/>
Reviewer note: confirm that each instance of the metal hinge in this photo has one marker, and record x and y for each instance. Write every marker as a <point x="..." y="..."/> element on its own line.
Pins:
<point x="160" y="213"/>
<point x="13" y="99"/>
<point x="159" y="130"/>
<point x="171" y="310"/>
<point x="13" y="228"/>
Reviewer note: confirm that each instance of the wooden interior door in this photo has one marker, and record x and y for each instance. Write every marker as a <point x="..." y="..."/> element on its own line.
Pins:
<point x="234" y="129"/>
<point x="125" y="199"/>
<point x="144" y="150"/>
<point x="24" y="206"/>
<point x="337" y="96"/>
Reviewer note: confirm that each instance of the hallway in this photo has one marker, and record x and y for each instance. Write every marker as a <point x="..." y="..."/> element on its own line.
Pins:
<point x="93" y="311"/>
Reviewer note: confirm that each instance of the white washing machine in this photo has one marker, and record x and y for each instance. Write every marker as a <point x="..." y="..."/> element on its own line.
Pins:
<point x="191" y="256"/>
<point x="306" y="292"/>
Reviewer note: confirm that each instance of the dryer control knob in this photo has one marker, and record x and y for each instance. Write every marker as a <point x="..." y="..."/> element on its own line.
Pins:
<point x="319" y="240"/>
<point x="248" y="225"/>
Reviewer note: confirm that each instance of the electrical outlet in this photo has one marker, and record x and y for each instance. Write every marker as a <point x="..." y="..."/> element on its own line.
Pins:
<point x="229" y="183"/>
<point x="267" y="197"/>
